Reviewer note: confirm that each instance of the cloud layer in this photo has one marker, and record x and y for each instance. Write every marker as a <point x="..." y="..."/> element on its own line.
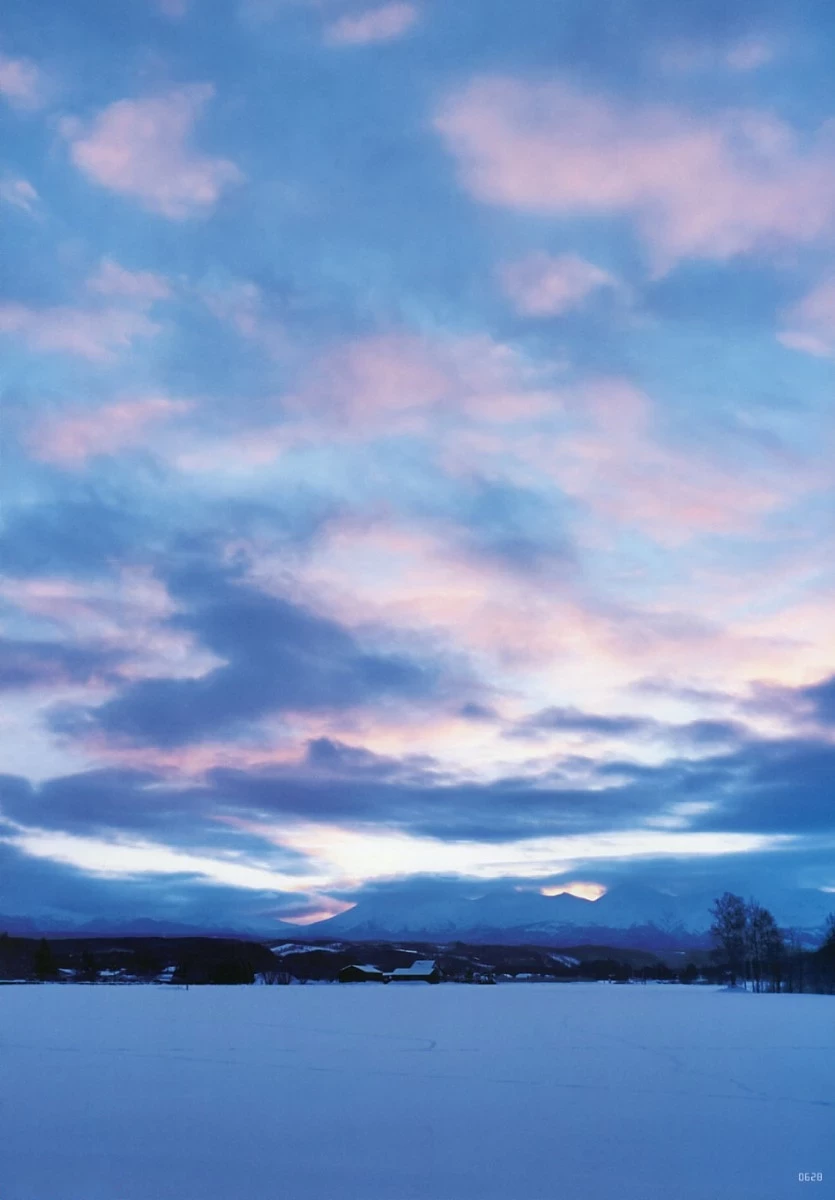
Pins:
<point x="418" y="441"/>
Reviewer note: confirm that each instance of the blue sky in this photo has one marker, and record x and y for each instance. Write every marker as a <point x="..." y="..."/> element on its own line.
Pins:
<point x="417" y="438"/>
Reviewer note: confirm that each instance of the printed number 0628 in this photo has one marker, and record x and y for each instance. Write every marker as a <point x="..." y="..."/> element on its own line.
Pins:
<point x="810" y="1176"/>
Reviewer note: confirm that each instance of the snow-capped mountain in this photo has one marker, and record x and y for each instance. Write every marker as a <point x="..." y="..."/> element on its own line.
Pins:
<point x="439" y="910"/>
<point x="626" y="914"/>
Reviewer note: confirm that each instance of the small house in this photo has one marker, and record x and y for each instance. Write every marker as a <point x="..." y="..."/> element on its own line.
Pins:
<point x="423" y="969"/>
<point x="361" y="973"/>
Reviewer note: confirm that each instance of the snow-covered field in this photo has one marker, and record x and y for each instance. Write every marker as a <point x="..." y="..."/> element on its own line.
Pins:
<point x="517" y="1092"/>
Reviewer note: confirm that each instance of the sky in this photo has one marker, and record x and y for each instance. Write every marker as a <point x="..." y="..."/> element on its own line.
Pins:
<point x="417" y="441"/>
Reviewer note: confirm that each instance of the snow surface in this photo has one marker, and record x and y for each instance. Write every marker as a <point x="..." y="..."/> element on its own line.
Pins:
<point x="447" y="1093"/>
<point x="565" y="959"/>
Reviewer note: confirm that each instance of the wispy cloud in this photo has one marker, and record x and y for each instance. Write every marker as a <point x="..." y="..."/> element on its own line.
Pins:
<point x="71" y="439"/>
<point x="141" y="149"/>
<point x="394" y="380"/>
<point x="383" y="24"/>
<point x="545" y="285"/>
<point x="809" y="325"/>
<point x="126" y="616"/>
<point x="175" y="9"/>
<point x="614" y="461"/>
<point x="100" y="329"/>
<point x="21" y="83"/>
<point x="689" y="57"/>
<point x="750" y="54"/>
<point x="19" y="193"/>
<point x="378" y="385"/>
<point x="97" y="334"/>
<point x="111" y="279"/>
<point x="240" y="305"/>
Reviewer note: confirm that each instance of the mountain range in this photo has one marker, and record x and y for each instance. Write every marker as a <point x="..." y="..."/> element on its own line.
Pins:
<point x="454" y="910"/>
<point x="627" y="914"/>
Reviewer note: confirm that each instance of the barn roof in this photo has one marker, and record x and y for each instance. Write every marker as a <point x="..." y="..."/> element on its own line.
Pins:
<point x="423" y="966"/>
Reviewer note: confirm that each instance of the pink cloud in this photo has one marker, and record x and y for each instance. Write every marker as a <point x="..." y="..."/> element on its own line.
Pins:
<point x="95" y="334"/>
<point x="709" y="187"/>
<point x="237" y="454"/>
<point x="259" y="12"/>
<point x="175" y="9"/>
<point x="750" y="54"/>
<point x="669" y="496"/>
<point x="543" y="285"/>
<point x="384" y="384"/>
<point x="240" y="304"/>
<point x="74" y="438"/>
<point x="21" y="82"/>
<point x="111" y="279"/>
<point x="382" y="24"/>
<point x="513" y="631"/>
<point x="393" y="381"/>
<point x="419" y="580"/>
<point x="129" y="614"/>
<point x="614" y="462"/>
<point x="78" y="607"/>
<point x="19" y="193"/>
<point x="603" y="449"/>
<point x="810" y="324"/>
<point x="140" y="149"/>
<point x="97" y="331"/>
<point x="285" y="745"/>
<point x="806" y="343"/>
<point x="384" y="374"/>
<point x="193" y="760"/>
<point x="559" y="642"/>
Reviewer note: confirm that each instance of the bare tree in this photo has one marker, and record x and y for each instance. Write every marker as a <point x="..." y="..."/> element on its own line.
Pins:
<point x="795" y="962"/>
<point x="764" y="947"/>
<point x="828" y="943"/>
<point x="826" y="956"/>
<point x="775" y="954"/>
<point x="728" y="932"/>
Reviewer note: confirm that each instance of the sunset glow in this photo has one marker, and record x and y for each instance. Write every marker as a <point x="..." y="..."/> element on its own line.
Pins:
<point x="417" y="456"/>
<point x="585" y="891"/>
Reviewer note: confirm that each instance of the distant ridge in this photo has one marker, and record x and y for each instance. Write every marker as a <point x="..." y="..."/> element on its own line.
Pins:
<point x="645" y="937"/>
<point x="627" y="915"/>
<point x="46" y="926"/>
<point x="437" y="911"/>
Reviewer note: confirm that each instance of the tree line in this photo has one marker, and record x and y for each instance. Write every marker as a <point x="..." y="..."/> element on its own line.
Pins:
<point x="749" y="949"/>
<point x="183" y="960"/>
<point x="755" y="952"/>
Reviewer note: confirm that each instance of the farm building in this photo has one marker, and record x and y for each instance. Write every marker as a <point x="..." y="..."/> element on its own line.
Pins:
<point x="361" y="973"/>
<point x="424" y="969"/>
